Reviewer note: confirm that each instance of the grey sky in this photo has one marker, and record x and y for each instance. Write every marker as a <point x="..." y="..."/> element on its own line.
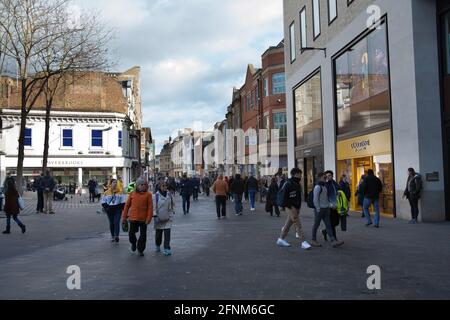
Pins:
<point x="191" y="53"/>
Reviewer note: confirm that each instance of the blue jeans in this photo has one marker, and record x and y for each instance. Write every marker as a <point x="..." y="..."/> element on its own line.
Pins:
<point x="186" y="203"/>
<point x="367" y="203"/>
<point x="114" y="216"/>
<point x="8" y="221"/>
<point x="252" y="195"/>
<point x="238" y="203"/>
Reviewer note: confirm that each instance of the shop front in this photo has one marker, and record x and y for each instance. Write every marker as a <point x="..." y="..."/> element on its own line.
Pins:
<point x="359" y="154"/>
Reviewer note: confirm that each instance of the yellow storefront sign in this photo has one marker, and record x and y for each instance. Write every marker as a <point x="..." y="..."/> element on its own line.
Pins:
<point x="363" y="146"/>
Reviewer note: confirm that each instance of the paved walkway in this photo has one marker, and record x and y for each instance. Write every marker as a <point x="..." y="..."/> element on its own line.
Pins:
<point x="230" y="259"/>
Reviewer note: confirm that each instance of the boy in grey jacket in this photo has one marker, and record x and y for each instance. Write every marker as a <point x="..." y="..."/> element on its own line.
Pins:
<point x="322" y="212"/>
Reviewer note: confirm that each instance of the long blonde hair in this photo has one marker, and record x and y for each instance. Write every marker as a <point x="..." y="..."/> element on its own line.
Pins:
<point x="117" y="190"/>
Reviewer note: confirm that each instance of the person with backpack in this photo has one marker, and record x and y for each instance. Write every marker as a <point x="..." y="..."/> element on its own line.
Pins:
<point x="322" y="212"/>
<point x="113" y="202"/>
<point x="164" y="214"/>
<point x="413" y="193"/>
<point x="291" y="198"/>
<point x="272" y="193"/>
<point x="220" y="188"/>
<point x="139" y="212"/>
<point x="12" y="207"/>
<point x="237" y="190"/>
<point x="372" y="187"/>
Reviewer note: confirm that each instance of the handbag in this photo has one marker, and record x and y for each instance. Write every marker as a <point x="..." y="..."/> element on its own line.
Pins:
<point x="125" y="226"/>
<point x="21" y="203"/>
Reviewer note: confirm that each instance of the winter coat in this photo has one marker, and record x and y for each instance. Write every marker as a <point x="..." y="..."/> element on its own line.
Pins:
<point x="414" y="187"/>
<point x="187" y="187"/>
<point x="139" y="207"/>
<point x="47" y="182"/>
<point x="252" y="184"/>
<point x="220" y="188"/>
<point x="273" y="192"/>
<point x="238" y="186"/>
<point x="292" y="194"/>
<point x="164" y="204"/>
<point x="11" y="207"/>
<point x="372" y="187"/>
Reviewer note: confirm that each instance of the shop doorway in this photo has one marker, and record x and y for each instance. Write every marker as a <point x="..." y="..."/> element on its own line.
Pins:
<point x="310" y="166"/>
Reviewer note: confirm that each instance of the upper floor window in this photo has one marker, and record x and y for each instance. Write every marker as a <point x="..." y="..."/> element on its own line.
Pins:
<point x="28" y="137"/>
<point x="97" y="138"/>
<point x="280" y="123"/>
<point x="303" y="39"/>
<point x="292" y="42"/>
<point x="266" y="87"/>
<point x="278" y="83"/>
<point x="120" y="138"/>
<point x="316" y="18"/>
<point x="332" y="10"/>
<point x="67" y="138"/>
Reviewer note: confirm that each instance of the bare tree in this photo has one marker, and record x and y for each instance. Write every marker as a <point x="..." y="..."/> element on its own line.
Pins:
<point x="82" y="48"/>
<point x="44" y="43"/>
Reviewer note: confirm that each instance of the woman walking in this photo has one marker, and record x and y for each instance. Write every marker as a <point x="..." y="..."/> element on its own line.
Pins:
<point x="271" y="202"/>
<point x="360" y="195"/>
<point x="164" y="209"/>
<point x="139" y="211"/>
<point x="113" y="202"/>
<point x="12" y="208"/>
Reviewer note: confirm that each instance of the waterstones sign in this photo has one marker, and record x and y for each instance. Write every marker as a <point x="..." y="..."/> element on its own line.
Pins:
<point x="65" y="163"/>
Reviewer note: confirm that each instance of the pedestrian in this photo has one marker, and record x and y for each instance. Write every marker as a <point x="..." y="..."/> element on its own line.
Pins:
<point x="7" y="179"/>
<point x="344" y="185"/>
<point x="292" y="201"/>
<point x="12" y="208"/>
<point x="413" y="193"/>
<point x="252" y="187"/>
<point x="220" y="188"/>
<point x="230" y="194"/>
<point x="245" y="190"/>
<point x="237" y="190"/>
<point x="139" y="211"/>
<point x="92" y="185"/>
<point x="196" y="188"/>
<point x="360" y="195"/>
<point x="186" y="190"/>
<point x="322" y="212"/>
<point x="272" y="194"/>
<point x="40" y="194"/>
<point x="372" y="187"/>
<point x="332" y="191"/>
<point x="165" y="212"/>
<point x="206" y="185"/>
<point x="48" y="185"/>
<point x="113" y="202"/>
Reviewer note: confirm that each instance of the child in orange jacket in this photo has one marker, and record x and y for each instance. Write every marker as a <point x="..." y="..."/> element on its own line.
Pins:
<point x="139" y="211"/>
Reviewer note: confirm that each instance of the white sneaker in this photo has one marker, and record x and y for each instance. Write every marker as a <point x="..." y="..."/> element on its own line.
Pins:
<point x="306" y="245"/>
<point x="252" y="209"/>
<point x="297" y="236"/>
<point x="283" y="243"/>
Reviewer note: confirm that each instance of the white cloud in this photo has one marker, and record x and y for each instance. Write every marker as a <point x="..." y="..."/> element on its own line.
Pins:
<point x="192" y="52"/>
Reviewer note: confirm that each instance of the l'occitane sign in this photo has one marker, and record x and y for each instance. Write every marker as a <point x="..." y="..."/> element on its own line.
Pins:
<point x="364" y="146"/>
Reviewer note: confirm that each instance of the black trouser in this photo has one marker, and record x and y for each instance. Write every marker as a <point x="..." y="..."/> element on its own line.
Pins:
<point x="221" y="203"/>
<point x="277" y="210"/>
<point x="195" y="197"/>
<point x="206" y="190"/>
<point x="414" y="202"/>
<point x="186" y="203"/>
<point x="335" y="220"/>
<point x="141" y="227"/>
<point x="40" y="203"/>
<point x="92" y="195"/>
<point x="159" y="236"/>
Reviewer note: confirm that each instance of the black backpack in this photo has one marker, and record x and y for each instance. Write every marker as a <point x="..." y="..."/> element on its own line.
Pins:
<point x="281" y="196"/>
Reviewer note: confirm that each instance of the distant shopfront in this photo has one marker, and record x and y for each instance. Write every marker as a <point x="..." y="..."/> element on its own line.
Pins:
<point x="363" y="114"/>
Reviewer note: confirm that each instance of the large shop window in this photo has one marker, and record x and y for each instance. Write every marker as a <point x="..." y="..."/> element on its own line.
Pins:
<point x="308" y="112"/>
<point x="362" y="84"/>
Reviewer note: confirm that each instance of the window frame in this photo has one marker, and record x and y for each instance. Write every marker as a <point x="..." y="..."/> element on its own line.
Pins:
<point x="292" y="42"/>
<point x="303" y="35"/>
<point x="285" y="123"/>
<point x="330" y="21"/>
<point x="120" y="138"/>
<point x="92" y="139"/>
<point x="30" y="137"/>
<point x="64" y="138"/>
<point x="315" y="36"/>
<point x="273" y="83"/>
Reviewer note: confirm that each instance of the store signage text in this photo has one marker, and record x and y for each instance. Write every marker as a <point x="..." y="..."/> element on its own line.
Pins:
<point x="360" y="146"/>
<point x="65" y="163"/>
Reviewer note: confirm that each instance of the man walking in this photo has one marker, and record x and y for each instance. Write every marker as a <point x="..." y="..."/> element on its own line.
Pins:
<point x="413" y="192"/>
<point x="186" y="191"/>
<point x="252" y="187"/>
<point x="372" y="188"/>
<point x="292" y="201"/>
<point x="220" y="188"/>
<point x="40" y="193"/>
<point x="92" y="185"/>
<point x="332" y="190"/>
<point x="322" y="212"/>
<point x="206" y="185"/>
<point x="48" y="185"/>
<point x="237" y="190"/>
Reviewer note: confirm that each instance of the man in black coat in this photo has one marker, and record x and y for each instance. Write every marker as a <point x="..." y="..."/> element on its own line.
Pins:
<point x="372" y="187"/>
<point x="40" y="193"/>
<point x="272" y="195"/>
<point x="186" y="190"/>
<point x="237" y="189"/>
<point x="413" y="193"/>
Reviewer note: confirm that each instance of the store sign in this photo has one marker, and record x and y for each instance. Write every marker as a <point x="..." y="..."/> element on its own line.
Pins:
<point x="368" y="145"/>
<point x="65" y="163"/>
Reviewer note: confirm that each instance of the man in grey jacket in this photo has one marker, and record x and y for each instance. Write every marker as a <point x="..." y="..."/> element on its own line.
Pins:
<point x="322" y="212"/>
